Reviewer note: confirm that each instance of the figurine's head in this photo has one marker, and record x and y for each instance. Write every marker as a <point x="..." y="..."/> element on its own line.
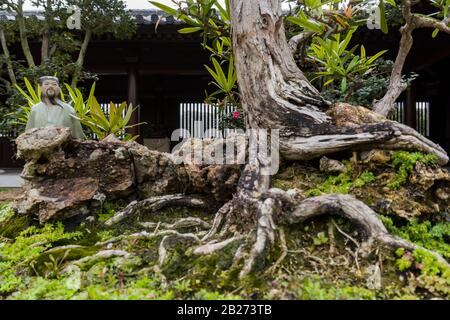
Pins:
<point x="50" y="88"/>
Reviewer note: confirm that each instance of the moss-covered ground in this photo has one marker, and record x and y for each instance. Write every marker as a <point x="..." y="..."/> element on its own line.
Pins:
<point x="321" y="259"/>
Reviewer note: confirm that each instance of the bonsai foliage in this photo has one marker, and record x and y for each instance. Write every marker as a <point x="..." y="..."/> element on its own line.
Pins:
<point x="339" y="65"/>
<point x="324" y="29"/>
<point x="212" y="21"/>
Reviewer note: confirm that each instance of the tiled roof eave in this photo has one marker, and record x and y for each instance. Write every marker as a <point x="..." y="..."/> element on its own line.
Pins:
<point x="141" y="16"/>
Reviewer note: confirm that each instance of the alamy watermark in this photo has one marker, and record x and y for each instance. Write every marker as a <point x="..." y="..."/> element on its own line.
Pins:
<point x="236" y="148"/>
<point x="374" y="19"/>
<point x="74" y="21"/>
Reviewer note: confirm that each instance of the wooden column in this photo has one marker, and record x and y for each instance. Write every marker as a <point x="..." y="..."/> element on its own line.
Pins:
<point x="445" y="133"/>
<point x="133" y="99"/>
<point x="410" y="108"/>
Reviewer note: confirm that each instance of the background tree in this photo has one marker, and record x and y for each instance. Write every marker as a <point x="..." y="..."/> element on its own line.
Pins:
<point x="99" y="17"/>
<point x="7" y="59"/>
<point x="17" y="8"/>
<point x="62" y="50"/>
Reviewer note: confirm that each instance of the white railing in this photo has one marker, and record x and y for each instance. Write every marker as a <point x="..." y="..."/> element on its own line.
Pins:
<point x="422" y="116"/>
<point x="399" y="112"/>
<point x="202" y="120"/>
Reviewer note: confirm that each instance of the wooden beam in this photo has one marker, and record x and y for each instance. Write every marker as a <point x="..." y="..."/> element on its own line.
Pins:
<point x="147" y="70"/>
<point x="133" y="98"/>
<point x="410" y="107"/>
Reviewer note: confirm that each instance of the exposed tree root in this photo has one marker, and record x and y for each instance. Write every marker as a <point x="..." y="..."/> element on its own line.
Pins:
<point x="100" y="256"/>
<point x="277" y="205"/>
<point x="215" y="246"/>
<point x="170" y="240"/>
<point x="182" y="223"/>
<point x="354" y="134"/>
<point x="218" y="220"/>
<point x="265" y="234"/>
<point x="284" y="252"/>
<point x="139" y="235"/>
<point x="358" y="213"/>
<point x="156" y="203"/>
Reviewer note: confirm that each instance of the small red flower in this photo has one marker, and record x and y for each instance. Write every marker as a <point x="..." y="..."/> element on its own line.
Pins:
<point x="236" y="114"/>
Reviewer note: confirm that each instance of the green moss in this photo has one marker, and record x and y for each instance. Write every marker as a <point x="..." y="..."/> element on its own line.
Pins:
<point x="343" y="182"/>
<point x="6" y="213"/>
<point x="107" y="212"/>
<point x="185" y="276"/>
<point x="404" y="163"/>
<point x="314" y="289"/>
<point x="280" y="184"/>
<point x="17" y="256"/>
<point x="425" y="271"/>
<point x="425" y="234"/>
<point x="41" y="288"/>
<point x="206" y="295"/>
<point x="10" y="223"/>
<point x="320" y="239"/>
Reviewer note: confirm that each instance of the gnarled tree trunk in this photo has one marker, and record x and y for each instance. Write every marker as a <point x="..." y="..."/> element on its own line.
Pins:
<point x="277" y="95"/>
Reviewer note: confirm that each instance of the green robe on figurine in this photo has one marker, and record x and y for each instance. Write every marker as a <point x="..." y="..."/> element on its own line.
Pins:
<point x="52" y="111"/>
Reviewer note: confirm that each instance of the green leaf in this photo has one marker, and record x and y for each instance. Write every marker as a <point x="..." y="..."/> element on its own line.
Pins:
<point x="435" y="32"/>
<point x="116" y="117"/>
<point x="213" y="74"/>
<point x="130" y="111"/>
<point x="97" y="112"/>
<point x="221" y="81"/>
<point x="343" y="85"/>
<point x="352" y="64"/>
<point x="225" y="15"/>
<point x="90" y="98"/>
<point x="343" y="45"/>
<point x="392" y="3"/>
<point x="190" y="30"/>
<point x="163" y="7"/>
<point x="376" y="56"/>
<point x="232" y="77"/>
<point x="31" y="90"/>
<point x="304" y="22"/>
<point x="220" y="72"/>
<point x="363" y="52"/>
<point x="24" y="94"/>
<point x="383" y="22"/>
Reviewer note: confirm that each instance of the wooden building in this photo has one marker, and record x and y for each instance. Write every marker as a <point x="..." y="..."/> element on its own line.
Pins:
<point x="156" y="69"/>
<point x="161" y="70"/>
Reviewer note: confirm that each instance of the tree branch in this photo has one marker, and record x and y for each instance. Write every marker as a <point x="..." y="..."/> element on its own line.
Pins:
<point x="45" y="47"/>
<point x="81" y="56"/>
<point x="298" y="39"/>
<point x="9" y="65"/>
<point x="426" y="22"/>
<point x="23" y="35"/>
<point x="396" y="83"/>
